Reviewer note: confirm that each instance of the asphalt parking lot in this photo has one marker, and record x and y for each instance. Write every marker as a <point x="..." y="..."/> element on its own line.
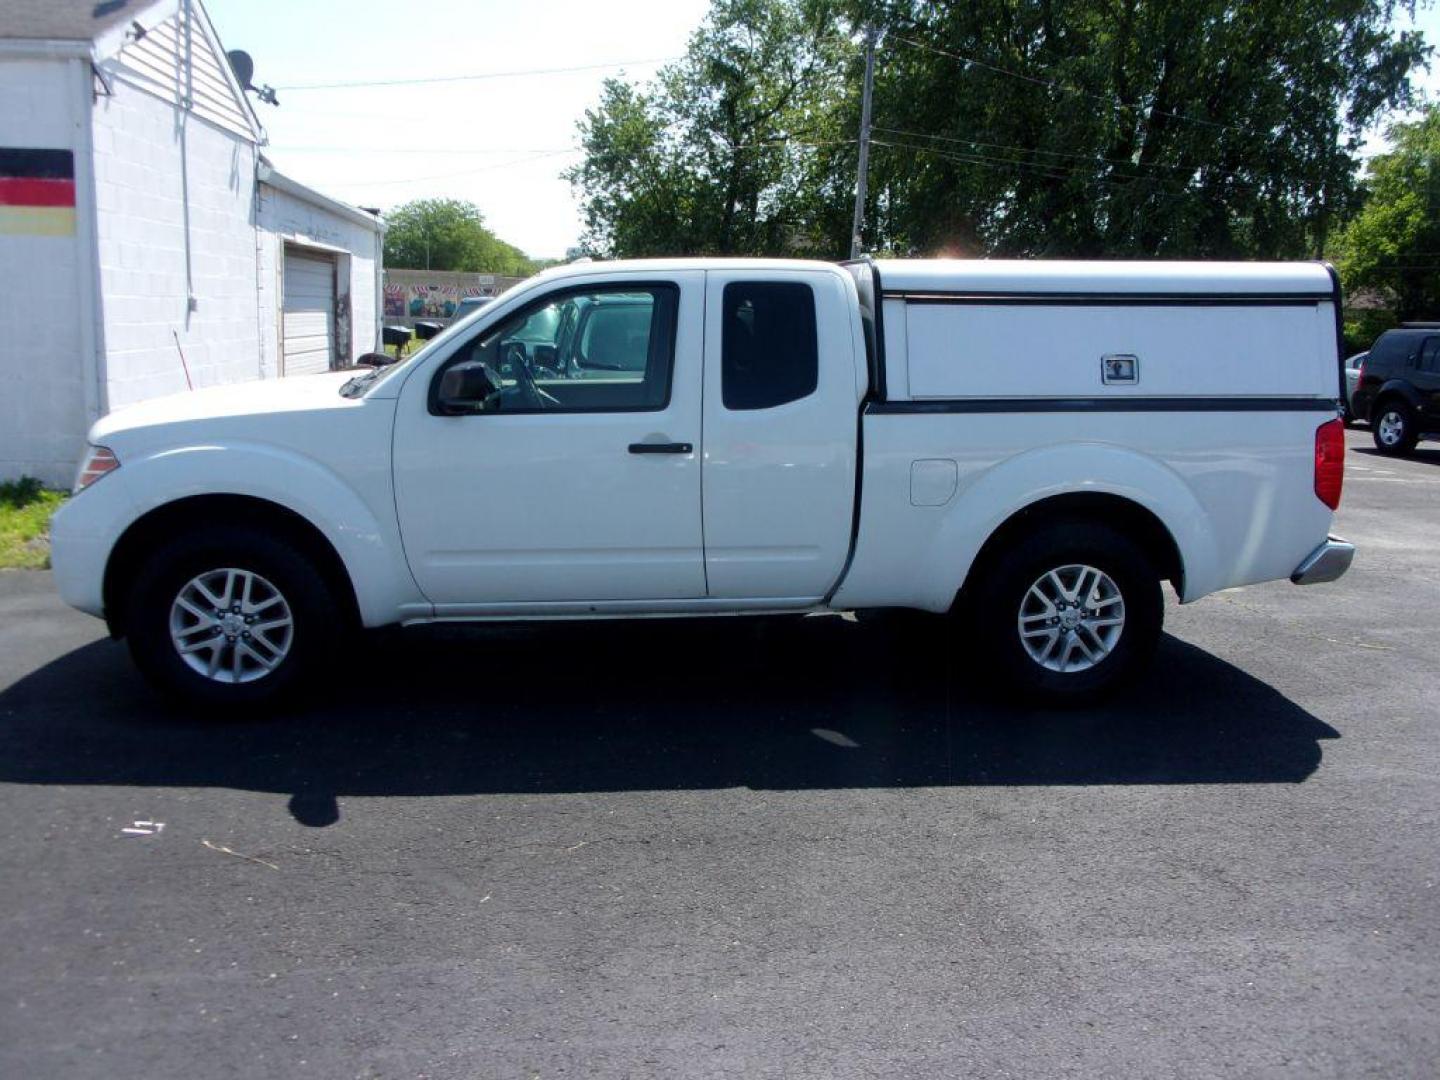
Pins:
<point x="802" y="848"/>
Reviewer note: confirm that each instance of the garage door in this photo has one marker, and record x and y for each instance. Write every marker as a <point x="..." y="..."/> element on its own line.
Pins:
<point x="308" y="323"/>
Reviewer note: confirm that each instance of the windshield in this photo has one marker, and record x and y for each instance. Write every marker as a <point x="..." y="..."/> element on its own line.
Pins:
<point x="368" y="380"/>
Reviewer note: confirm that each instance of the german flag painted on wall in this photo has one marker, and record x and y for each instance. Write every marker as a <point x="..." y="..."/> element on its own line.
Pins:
<point x="37" y="192"/>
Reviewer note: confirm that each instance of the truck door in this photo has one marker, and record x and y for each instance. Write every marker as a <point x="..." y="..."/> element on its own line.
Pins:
<point x="782" y="394"/>
<point x="1427" y="381"/>
<point x="568" y="471"/>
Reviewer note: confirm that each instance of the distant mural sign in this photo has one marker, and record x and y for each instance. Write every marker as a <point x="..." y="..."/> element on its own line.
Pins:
<point x="427" y="301"/>
<point x="425" y="294"/>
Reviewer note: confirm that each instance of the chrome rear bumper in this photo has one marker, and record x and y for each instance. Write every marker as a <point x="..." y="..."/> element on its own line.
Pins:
<point x="1326" y="563"/>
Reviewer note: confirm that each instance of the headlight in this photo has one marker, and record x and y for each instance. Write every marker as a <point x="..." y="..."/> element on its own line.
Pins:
<point x="99" y="461"/>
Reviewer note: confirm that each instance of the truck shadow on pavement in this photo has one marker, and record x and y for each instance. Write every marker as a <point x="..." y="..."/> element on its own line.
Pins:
<point x="779" y="704"/>
<point x="1425" y="454"/>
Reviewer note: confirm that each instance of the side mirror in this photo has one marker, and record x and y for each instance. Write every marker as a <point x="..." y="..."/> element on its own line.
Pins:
<point x="374" y="359"/>
<point x="463" y="387"/>
<point x="547" y="356"/>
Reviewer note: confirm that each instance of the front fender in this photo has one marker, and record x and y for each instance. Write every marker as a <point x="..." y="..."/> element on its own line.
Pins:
<point x="342" y="508"/>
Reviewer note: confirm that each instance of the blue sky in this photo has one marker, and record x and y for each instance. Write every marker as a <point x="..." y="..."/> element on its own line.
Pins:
<point x="498" y="142"/>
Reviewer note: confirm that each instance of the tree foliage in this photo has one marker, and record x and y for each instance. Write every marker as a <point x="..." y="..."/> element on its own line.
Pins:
<point x="1393" y="243"/>
<point x="448" y="234"/>
<point x="711" y="159"/>
<point x="1205" y="128"/>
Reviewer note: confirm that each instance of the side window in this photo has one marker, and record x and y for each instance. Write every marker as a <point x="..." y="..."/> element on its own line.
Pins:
<point x="769" y="353"/>
<point x="585" y="350"/>
<point x="1430" y="355"/>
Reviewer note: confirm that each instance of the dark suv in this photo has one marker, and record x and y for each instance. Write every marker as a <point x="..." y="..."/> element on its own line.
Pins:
<point x="1399" y="387"/>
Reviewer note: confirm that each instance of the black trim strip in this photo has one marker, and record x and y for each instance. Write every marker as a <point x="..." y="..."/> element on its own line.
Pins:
<point x="1117" y="403"/>
<point x="1089" y="299"/>
<point x="1338" y="299"/>
<point x="881" y="387"/>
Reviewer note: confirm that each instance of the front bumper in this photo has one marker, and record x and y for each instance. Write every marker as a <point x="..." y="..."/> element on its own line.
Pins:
<point x="1326" y="563"/>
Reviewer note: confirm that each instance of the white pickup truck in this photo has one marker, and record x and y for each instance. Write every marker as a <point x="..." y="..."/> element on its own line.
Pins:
<point x="1033" y="446"/>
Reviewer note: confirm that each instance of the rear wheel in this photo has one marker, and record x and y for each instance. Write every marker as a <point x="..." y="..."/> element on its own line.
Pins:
<point x="1070" y="613"/>
<point x="229" y="617"/>
<point x="1393" y="427"/>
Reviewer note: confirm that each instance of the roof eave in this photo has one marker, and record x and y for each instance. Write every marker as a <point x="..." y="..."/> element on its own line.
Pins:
<point x="270" y="176"/>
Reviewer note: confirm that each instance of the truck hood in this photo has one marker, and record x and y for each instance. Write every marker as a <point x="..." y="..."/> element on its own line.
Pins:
<point x="300" y="393"/>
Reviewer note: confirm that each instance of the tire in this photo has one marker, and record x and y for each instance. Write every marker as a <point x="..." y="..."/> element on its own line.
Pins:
<point x="241" y="671"/>
<point x="1095" y="563"/>
<point x="1393" y="427"/>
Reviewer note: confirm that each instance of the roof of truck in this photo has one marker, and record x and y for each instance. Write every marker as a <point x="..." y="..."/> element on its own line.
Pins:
<point x="1153" y="277"/>
<point x="1114" y="276"/>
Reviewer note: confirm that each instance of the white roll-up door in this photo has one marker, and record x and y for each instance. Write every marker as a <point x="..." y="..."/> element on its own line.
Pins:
<point x="308" y="322"/>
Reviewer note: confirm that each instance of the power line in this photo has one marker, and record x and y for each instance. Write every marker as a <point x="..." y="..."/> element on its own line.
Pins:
<point x="1114" y="104"/>
<point x="1048" y="172"/>
<point x="363" y="83"/>
<point x="293" y="149"/>
<point x="1088" y="158"/>
<point x="1036" y="150"/>
<point x="447" y="176"/>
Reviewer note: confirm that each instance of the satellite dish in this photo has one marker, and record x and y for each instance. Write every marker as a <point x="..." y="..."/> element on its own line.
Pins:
<point x="243" y="66"/>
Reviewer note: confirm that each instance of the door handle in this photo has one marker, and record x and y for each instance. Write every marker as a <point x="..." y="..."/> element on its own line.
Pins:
<point x="661" y="448"/>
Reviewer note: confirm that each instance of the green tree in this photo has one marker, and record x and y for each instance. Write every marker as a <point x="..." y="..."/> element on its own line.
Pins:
<point x="713" y="157"/>
<point x="1393" y="243"/>
<point x="448" y="234"/>
<point x="1204" y="128"/>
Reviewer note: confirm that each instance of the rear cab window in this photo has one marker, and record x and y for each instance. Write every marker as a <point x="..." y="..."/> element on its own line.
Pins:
<point x="770" y="352"/>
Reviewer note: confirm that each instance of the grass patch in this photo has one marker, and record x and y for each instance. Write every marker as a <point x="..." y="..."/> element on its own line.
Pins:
<point x="25" y="509"/>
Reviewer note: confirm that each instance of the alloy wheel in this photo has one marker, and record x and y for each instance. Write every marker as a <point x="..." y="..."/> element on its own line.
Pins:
<point x="1071" y="618"/>
<point x="231" y="625"/>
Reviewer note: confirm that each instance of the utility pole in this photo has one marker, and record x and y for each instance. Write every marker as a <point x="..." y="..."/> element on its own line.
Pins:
<point x="859" y="223"/>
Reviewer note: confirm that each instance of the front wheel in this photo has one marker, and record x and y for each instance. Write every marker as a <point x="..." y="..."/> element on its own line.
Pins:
<point x="229" y="618"/>
<point x="1070" y="613"/>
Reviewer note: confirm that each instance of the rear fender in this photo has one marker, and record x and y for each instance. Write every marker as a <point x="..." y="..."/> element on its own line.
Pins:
<point x="1029" y="478"/>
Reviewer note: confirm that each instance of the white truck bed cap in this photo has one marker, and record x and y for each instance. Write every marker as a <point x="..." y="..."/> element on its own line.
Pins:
<point x="1102" y="276"/>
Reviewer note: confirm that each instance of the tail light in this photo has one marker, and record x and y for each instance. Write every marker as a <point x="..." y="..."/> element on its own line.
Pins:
<point x="99" y="461"/>
<point x="1329" y="462"/>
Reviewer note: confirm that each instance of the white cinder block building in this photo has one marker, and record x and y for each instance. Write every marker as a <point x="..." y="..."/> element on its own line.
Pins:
<point x="146" y="244"/>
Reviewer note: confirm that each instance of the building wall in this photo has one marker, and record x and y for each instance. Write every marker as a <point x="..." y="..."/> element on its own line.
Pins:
<point x="286" y="218"/>
<point x="46" y="347"/>
<point x="171" y="186"/>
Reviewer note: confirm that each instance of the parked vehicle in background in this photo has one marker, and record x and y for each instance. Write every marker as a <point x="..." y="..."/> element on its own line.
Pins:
<point x="1398" y="390"/>
<point x="1353" y="367"/>
<point x="1032" y="448"/>
<point x="469" y="305"/>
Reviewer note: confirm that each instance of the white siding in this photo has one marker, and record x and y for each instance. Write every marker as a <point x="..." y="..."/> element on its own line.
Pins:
<point x="43" y="369"/>
<point x="154" y="63"/>
<point x="145" y="194"/>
